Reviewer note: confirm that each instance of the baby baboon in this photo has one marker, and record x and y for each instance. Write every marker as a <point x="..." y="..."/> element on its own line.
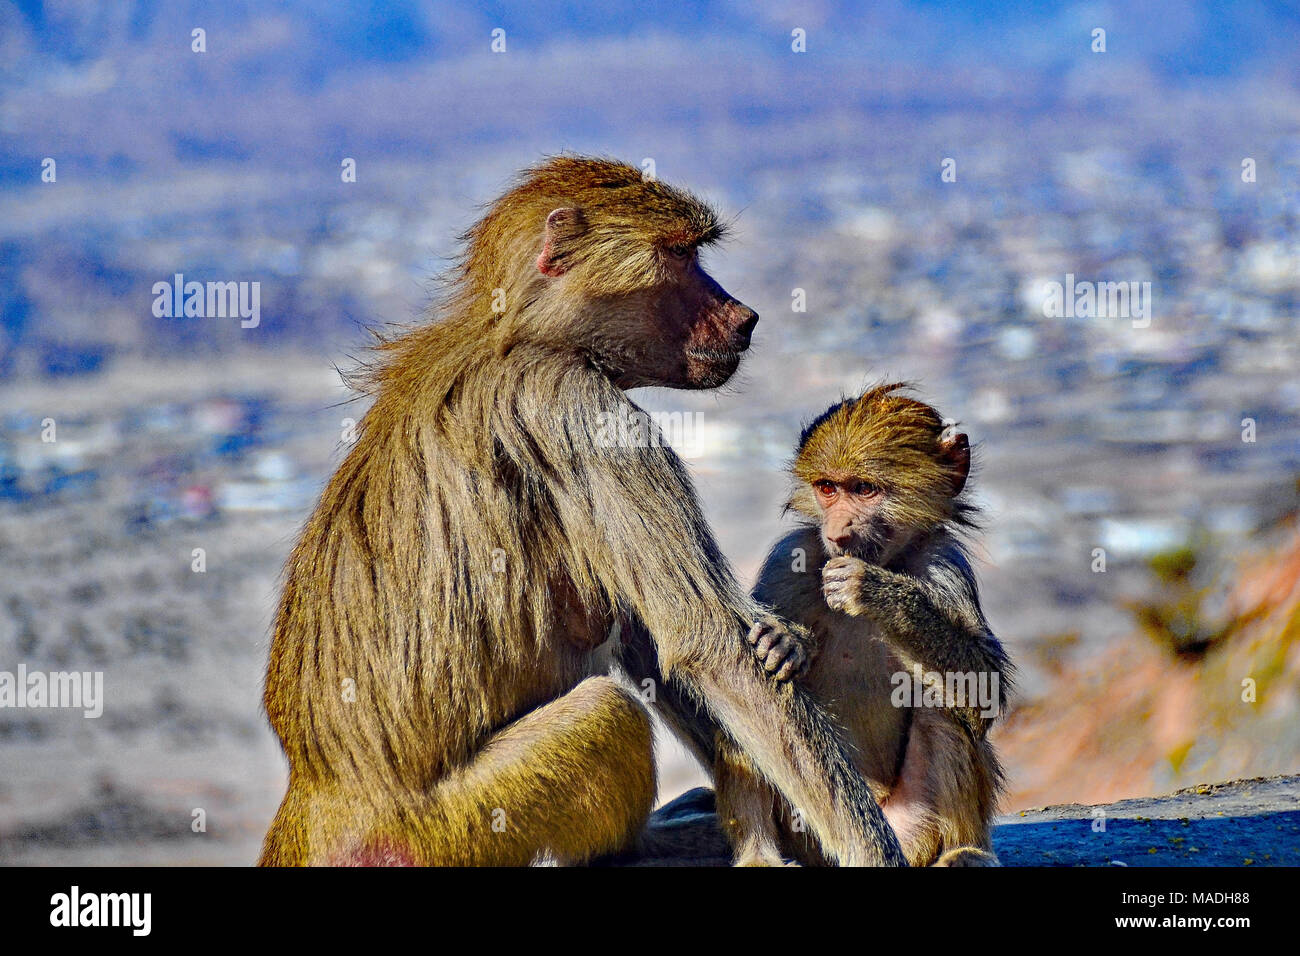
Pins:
<point x="437" y="676"/>
<point x="900" y="652"/>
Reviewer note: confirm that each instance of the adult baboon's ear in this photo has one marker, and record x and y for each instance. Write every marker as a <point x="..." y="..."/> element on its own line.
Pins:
<point x="954" y="450"/>
<point x="563" y="225"/>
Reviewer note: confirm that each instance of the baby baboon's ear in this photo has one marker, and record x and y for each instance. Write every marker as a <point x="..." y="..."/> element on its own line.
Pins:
<point x="954" y="451"/>
<point x="563" y="225"/>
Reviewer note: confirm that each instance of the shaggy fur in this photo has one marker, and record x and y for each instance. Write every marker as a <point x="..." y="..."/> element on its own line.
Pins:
<point x="480" y="543"/>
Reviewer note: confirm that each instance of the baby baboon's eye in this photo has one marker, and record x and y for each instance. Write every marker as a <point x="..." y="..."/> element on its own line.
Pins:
<point x="865" y="489"/>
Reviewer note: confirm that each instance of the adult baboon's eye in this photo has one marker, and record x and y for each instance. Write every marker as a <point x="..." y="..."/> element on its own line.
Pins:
<point x="679" y="251"/>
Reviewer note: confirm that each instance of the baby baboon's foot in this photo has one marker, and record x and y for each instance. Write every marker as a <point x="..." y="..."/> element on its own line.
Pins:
<point x="763" y="858"/>
<point x="967" y="856"/>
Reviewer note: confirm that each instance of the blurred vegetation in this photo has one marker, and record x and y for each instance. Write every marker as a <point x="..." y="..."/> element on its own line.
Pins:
<point x="1185" y="616"/>
<point x="1176" y="617"/>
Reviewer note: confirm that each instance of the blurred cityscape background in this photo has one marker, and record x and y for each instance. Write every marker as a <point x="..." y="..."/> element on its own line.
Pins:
<point x="1172" y="158"/>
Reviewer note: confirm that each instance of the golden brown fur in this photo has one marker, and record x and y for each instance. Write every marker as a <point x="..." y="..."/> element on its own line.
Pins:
<point x="887" y="591"/>
<point x="468" y="560"/>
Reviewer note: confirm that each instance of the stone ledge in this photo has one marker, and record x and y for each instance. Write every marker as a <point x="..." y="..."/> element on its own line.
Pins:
<point x="1240" y="823"/>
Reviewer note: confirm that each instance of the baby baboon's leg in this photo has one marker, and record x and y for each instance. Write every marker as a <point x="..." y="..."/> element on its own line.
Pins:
<point x="910" y="804"/>
<point x="569" y="781"/>
<point x="967" y="797"/>
<point x="746" y="809"/>
<point x="944" y="796"/>
<point x="791" y="742"/>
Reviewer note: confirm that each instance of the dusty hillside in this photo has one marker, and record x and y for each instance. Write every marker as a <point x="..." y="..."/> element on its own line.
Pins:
<point x="1207" y="688"/>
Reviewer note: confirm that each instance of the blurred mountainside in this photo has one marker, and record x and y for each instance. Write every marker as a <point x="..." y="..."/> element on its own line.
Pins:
<point x="1178" y="38"/>
<point x="1206" y="689"/>
<point x="117" y="88"/>
<point x="225" y="164"/>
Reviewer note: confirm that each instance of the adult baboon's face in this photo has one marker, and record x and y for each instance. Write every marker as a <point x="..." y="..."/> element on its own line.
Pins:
<point x="627" y="274"/>
<point x="696" y="333"/>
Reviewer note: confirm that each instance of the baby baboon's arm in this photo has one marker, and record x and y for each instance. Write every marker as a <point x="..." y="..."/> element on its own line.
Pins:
<point x="935" y="621"/>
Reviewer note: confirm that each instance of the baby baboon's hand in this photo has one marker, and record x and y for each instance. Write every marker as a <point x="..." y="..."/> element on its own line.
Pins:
<point x="843" y="582"/>
<point x="784" y="652"/>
